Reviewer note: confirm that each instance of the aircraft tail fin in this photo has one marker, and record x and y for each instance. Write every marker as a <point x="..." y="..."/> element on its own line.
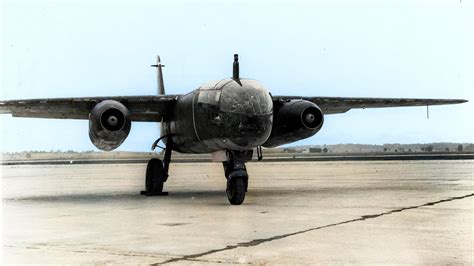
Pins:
<point x="161" y="84"/>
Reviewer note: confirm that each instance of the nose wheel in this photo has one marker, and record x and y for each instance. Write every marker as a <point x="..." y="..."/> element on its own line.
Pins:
<point x="236" y="188"/>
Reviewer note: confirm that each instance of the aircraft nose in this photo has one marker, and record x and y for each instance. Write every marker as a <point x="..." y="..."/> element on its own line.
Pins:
<point x="249" y="109"/>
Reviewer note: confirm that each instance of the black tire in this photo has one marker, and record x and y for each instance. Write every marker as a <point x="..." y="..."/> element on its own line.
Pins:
<point x="154" y="176"/>
<point x="236" y="191"/>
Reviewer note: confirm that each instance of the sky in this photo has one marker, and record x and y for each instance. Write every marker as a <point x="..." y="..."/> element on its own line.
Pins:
<point x="312" y="48"/>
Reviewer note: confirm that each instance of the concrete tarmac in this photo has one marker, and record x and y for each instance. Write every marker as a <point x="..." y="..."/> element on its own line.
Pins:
<point x="295" y="212"/>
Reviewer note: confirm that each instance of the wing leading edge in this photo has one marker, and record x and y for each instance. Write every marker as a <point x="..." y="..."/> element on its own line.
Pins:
<point x="337" y="105"/>
<point x="142" y="108"/>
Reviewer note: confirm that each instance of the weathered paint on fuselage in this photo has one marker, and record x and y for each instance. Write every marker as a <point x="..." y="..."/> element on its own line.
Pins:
<point x="221" y="115"/>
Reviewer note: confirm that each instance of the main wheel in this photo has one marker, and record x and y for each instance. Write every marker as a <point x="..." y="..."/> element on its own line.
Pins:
<point x="154" y="176"/>
<point x="236" y="191"/>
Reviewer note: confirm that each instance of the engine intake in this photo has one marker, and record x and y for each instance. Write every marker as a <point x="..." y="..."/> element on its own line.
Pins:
<point x="109" y="125"/>
<point x="294" y="120"/>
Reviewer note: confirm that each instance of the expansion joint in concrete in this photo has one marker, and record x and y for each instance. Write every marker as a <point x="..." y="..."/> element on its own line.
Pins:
<point x="256" y="242"/>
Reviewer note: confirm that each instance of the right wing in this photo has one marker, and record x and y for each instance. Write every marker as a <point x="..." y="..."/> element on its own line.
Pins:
<point x="337" y="105"/>
<point x="141" y="108"/>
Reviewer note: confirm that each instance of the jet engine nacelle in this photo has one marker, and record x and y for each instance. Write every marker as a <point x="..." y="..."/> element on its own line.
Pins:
<point x="109" y="125"/>
<point x="294" y="120"/>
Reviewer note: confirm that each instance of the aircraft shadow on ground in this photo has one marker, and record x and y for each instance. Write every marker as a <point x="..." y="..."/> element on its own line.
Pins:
<point x="198" y="195"/>
<point x="184" y="196"/>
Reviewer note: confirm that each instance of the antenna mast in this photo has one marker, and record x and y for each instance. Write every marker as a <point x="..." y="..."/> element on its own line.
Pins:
<point x="235" y="75"/>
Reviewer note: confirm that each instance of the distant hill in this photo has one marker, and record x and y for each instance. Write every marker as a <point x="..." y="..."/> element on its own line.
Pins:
<point x="393" y="147"/>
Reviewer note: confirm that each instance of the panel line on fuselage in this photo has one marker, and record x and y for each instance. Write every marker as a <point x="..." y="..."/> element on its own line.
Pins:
<point x="194" y="119"/>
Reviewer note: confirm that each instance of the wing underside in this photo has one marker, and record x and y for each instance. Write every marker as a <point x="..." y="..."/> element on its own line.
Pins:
<point x="141" y="108"/>
<point x="337" y="105"/>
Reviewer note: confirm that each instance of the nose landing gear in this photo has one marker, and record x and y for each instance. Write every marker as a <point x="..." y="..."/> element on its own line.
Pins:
<point x="237" y="177"/>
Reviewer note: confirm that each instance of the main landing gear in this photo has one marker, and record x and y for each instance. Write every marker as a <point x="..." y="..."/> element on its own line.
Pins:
<point x="157" y="171"/>
<point x="236" y="174"/>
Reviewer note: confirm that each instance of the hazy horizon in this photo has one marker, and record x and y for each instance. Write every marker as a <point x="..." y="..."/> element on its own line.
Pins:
<point x="412" y="49"/>
<point x="465" y="144"/>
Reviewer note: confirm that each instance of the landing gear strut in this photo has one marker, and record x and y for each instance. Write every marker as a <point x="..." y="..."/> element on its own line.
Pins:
<point x="157" y="172"/>
<point x="237" y="177"/>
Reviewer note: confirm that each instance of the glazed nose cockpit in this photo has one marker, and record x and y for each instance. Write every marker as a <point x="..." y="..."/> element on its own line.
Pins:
<point x="242" y="110"/>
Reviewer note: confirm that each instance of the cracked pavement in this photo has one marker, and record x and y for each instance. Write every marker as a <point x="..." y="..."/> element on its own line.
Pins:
<point x="294" y="212"/>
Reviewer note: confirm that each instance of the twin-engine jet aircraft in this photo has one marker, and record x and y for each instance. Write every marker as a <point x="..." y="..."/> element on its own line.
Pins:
<point x="228" y="118"/>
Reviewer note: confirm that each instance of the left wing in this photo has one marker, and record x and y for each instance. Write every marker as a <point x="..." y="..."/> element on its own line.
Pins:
<point x="141" y="108"/>
<point x="337" y="105"/>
